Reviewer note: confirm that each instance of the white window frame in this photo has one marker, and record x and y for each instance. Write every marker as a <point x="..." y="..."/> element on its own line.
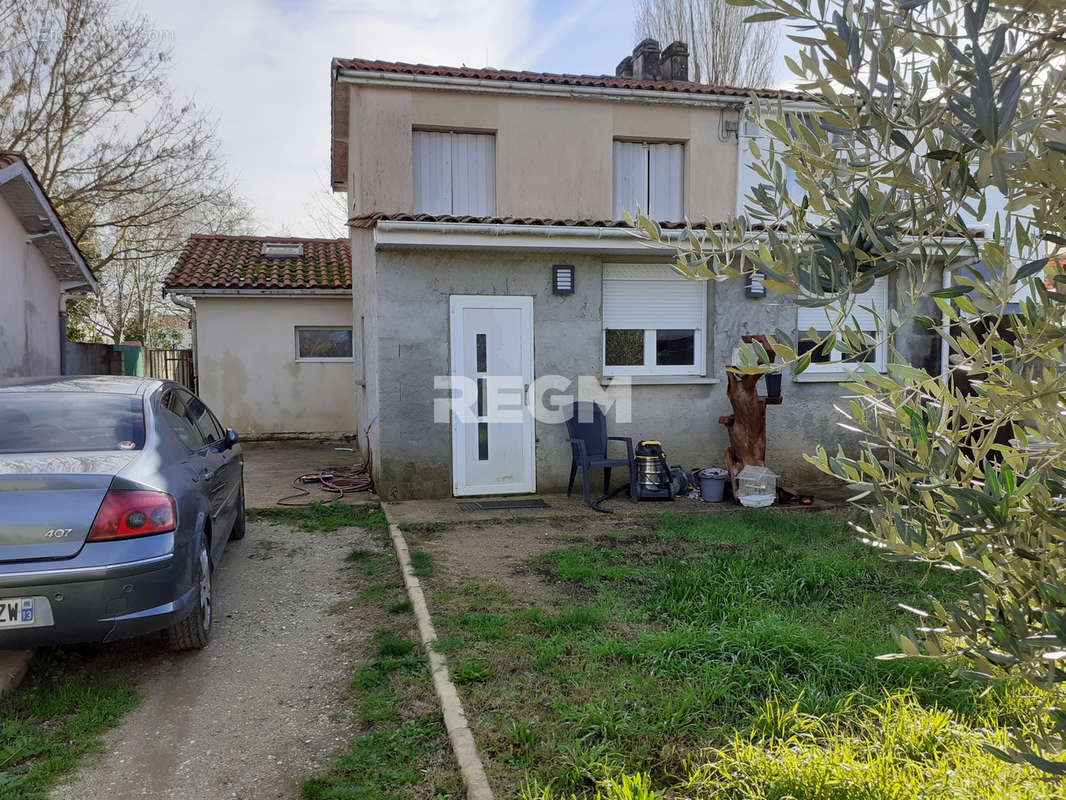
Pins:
<point x="327" y="359"/>
<point x="453" y="169"/>
<point x="653" y="149"/>
<point x="649" y="367"/>
<point x="836" y="368"/>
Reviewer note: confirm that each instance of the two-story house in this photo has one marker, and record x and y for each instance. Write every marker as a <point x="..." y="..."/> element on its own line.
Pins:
<point x="486" y="241"/>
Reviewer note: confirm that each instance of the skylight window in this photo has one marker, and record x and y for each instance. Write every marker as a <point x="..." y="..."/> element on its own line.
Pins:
<point x="282" y="249"/>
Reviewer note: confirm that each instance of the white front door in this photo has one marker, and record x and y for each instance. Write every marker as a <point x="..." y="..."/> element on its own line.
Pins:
<point x="492" y="425"/>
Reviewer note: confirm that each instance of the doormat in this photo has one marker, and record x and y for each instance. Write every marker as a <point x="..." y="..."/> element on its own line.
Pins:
<point x="496" y="505"/>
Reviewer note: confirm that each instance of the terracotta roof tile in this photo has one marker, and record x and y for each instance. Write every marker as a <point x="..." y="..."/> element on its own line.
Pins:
<point x="604" y="81"/>
<point x="9" y="157"/>
<point x="370" y="220"/>
<point x="235" y="262"/>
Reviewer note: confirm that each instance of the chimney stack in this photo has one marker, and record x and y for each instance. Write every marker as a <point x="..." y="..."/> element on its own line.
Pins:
<point x="646" y="61"/>
<point x="673" y="65"/>
<point x="624" y="68"/>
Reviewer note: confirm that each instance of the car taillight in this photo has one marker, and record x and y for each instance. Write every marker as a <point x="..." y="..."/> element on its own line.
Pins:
<point x="126" y="514"/>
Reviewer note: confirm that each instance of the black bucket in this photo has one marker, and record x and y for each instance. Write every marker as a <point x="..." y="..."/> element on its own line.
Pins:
<point x="773" y="384"/>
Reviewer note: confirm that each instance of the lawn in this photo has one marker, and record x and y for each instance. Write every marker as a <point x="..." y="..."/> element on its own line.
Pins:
<point x="55" y="720"/>
<point x="724" y="656"/>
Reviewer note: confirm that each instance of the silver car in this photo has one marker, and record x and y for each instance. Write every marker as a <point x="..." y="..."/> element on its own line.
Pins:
<point x="117" y="498"/>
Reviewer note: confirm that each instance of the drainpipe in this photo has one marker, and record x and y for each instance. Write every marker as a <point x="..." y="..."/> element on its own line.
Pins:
<point x="62" y="334"/>
<point x="191" y="306"/>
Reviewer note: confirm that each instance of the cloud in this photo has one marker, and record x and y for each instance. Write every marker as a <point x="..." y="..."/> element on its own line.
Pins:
<point x="543" y="43"/>
<point x="263" y="70"/>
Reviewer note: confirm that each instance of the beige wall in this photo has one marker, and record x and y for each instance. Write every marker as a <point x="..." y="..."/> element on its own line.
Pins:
<point x="553" y="156"/>
<point x="29" y="304"/>
<point x="248" y="372"/>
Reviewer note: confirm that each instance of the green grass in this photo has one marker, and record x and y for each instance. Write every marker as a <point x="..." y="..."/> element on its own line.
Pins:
<point x="399" y="751"/>
<point x="48" y="726"/>
<point x="391" y="645"/>
<point x="395" y="750"/>
<point x="380" y="765"/>
<point x="322" y="516"/>
<point x="671" y="645"/>
<point x="421" y="564"/>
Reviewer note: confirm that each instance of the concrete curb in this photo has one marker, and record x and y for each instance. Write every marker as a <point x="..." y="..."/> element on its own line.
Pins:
<point x="462" y="739"/>
<point x="13" y="665"/>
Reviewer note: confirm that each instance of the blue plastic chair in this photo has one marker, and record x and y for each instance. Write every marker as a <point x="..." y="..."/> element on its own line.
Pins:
<point x="587" y="426"/>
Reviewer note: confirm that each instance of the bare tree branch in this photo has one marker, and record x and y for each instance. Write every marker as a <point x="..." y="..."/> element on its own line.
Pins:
<point x="724" y="49"/>
<point x="132" y="171"/>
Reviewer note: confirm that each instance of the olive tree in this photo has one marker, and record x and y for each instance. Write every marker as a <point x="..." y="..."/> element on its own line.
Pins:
<point x="924" y="115"/>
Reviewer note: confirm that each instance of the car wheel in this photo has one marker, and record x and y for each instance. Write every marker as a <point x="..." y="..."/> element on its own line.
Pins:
<point x="194" y="631"/>
<point x="240" y="523"/>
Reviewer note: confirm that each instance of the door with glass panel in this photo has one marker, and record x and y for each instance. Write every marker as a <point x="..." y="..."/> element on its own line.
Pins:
<point x="492" y="369"/>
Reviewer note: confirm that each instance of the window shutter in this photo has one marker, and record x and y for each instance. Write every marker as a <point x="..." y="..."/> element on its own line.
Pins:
<point x="821" y="318"/>
<point x="630" y="178"/>
<point x="652" y="297"/>
<point x="432" y="166"/>
<point x="666" y="184"/>
<point x="473" y="174"/>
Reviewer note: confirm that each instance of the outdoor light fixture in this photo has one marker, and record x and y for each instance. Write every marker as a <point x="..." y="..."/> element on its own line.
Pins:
<point x="563" y="279"/>
<point x="754" y="286"/>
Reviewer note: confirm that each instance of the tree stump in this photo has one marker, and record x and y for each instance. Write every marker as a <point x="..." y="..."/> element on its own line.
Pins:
<point x="747" y="423"/>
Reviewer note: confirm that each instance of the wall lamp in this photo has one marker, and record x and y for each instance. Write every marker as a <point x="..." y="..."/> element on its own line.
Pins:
<point x="563" y="279"/>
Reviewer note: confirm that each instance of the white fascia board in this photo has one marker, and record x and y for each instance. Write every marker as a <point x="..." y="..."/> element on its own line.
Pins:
<point x="205" y="292"/>
<point x="492" y="86"/>
<point x="20" y="170"/>
<point x="413" y="234"/>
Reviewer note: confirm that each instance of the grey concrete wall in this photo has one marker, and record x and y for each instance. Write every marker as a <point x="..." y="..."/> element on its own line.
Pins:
<point x="365" y="336"/>
<point x="29" y="304"/>
<point x="413" y="454"/>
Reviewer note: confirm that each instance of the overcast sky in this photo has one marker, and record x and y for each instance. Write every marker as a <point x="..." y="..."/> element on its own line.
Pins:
<point x="262" y="69"/>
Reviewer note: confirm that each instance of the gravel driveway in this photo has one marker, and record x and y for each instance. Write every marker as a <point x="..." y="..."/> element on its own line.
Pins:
<point x="258" y="710"/>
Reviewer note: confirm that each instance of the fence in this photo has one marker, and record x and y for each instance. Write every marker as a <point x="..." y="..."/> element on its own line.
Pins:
<point x="83" y="358"/>
<point x="171" y="365"/>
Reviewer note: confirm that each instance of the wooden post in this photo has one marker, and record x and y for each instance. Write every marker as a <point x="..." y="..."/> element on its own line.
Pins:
<point x="747" y="423"/>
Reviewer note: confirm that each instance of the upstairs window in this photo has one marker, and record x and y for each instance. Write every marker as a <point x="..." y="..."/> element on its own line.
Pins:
<point x="820" y="320"/>
<point x="454" y="173"/>
<point x="654" y="321"/>
<point x="650" y="177"/>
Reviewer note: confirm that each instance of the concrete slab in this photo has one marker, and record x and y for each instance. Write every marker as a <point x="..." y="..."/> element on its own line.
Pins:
<point x="12" y="669"/>
<point x="271" y="467"/>
<point x="446" y="511"/>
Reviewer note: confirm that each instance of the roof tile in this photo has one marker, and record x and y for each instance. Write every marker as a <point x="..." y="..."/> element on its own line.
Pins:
<point x="235" y="262"/>
<point x="603" y="81"/>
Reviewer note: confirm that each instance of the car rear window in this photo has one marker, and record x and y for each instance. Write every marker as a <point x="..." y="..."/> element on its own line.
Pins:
<point x="60" y="422"/>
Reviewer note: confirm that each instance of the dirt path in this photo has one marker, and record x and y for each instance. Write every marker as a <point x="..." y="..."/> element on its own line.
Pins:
<point x="258" y="710"/>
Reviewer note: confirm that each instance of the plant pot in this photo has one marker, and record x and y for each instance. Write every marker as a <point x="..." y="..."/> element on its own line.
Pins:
<point x="773" y="384"/>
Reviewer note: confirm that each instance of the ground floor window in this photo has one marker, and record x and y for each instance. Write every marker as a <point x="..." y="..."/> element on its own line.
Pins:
<point x="654" y="321"/>
<point x="315" y="343"/>
<point x="866" y="311"/>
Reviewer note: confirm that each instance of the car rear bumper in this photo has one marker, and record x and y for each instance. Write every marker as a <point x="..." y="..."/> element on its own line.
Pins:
<point x="98" y="603"/>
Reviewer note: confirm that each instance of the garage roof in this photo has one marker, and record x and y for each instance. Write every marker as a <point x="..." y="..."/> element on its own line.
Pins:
<point x="249" y="263"/>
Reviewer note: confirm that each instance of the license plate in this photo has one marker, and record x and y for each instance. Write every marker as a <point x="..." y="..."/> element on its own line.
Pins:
<point x="17" y="611"/>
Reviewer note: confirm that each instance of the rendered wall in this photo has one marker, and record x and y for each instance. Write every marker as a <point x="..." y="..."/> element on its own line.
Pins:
<point x="248" y="372"/>
<point x="413" y="454"/>
<point x="553" y="156"/>
<point x="29" y="304"/>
